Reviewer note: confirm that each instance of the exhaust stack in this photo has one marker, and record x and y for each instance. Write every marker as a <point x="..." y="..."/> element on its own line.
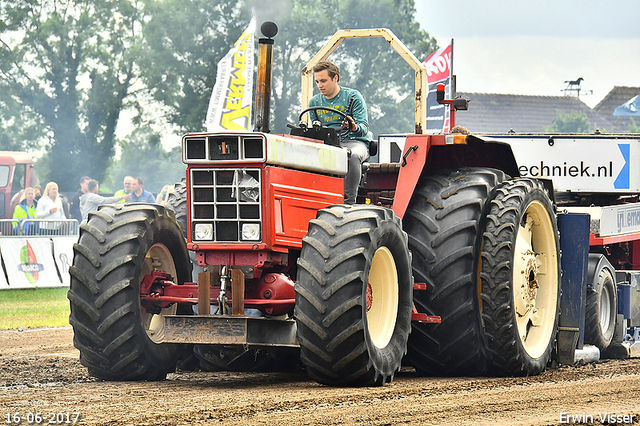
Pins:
<point x="263" y="85"/>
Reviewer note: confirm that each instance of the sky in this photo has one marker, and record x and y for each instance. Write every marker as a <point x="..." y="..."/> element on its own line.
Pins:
<point x="533" y="47"/>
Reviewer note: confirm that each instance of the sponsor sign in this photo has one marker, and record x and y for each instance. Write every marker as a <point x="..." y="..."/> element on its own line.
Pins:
<point x="578" y="164"/>
<point x="230" y="104"/>
<point x="439" y="70"/>
<point x="29" y="262"/>
<point x="63" y="256"/>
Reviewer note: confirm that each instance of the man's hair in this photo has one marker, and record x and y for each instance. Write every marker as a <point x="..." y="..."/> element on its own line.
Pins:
<point x="93" y="184"/>
<point x="332" y="69"/>
<point x="139" y="181"/>
<point x="83" y="179"/>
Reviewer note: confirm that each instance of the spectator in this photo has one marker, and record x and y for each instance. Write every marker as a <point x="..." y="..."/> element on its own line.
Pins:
<point x="26" y="209"/>
<point x="91" y="200"/>
<point x="74" y="209"/>
<point x="139" y="194"/>
<point x="38" y="191"/>
<point x="128" y="181"/>
<point x="163" y="196"/>
<point x="50" y="207"/>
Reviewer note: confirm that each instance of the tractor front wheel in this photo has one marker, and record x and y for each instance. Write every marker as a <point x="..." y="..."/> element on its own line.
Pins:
<point x="353" y="296"/>
<point x="117" y="337"/>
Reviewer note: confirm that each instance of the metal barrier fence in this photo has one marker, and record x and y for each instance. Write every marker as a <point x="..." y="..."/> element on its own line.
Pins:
<point x="38" y="227"/>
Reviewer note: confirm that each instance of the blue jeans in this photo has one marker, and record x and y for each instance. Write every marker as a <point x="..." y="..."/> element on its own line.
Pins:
<point x="359" y="154"/>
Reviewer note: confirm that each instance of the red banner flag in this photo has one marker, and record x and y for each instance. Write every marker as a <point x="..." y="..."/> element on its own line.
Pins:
<point x="439" y="70"/>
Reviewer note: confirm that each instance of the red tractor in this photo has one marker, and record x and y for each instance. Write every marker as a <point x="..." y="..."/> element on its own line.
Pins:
<point x="450" y="261"/>
<point x="16" y="173"/>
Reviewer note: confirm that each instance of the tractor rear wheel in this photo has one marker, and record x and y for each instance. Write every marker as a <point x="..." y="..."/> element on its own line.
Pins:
<point x="444" y="226"/>
<point x="177" y="200"/>
<point x="602" y="306"/>
<point x="520" y="275"/>
<point x="353" y="296"/>
<point x="120" y="244"/>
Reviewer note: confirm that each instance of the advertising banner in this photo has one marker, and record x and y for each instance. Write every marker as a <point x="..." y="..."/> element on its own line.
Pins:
<point x="29" y="262"/>
<point x="439" y="70"/>
<point x="578" y="164"/>
<point x="3" y="280"/>
<point x="63" y="256"/>
<point x="231" y="98"/>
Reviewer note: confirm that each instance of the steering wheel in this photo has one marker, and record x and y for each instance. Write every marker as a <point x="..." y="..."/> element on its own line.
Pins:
<point x="340" y="113"/>
<point x="316" y="108"/>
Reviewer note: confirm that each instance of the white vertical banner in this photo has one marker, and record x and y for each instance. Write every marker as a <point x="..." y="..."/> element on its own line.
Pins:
<point x="29" y="262"/>
<point x="231" y="98"/>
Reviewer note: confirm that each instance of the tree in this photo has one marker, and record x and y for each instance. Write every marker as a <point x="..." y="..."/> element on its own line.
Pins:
<point x="633" y="127"/>
<point x="68" y="66"/>
<point x="185" y="41"/>
<point x="143" y="156"/>
<point x="575" y="122"/>
<point x="370" y="65"/>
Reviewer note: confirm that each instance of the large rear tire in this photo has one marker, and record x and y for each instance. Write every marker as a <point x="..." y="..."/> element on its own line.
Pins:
<point x="520" y="278"/>
<point x="177" y="200"/>
<point x="353" y="296"/>
<point x="444" y="226"/>
<point x="120" y="244"/>
<point x="602" y="306"/>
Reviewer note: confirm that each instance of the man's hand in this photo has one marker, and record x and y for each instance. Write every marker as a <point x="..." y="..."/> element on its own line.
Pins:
<point x="350" y="124"/>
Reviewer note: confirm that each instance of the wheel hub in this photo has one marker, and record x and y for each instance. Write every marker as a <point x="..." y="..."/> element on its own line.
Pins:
<point x="530" y="285"/>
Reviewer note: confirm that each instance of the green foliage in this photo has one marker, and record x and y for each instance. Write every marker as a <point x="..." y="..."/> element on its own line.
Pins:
<point x="30" y="308"/>
<point x="633" y="127"/>
<point x="183" y="42"/>
<point x="575" y="122"/>
<point x="369" y="65"/>
<point x="182" y="50"/>
<point x="68" y="67"/>
<point x="143" y="156"/>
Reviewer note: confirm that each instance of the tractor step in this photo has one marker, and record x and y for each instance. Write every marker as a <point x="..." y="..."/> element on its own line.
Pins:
<point x="229" y="330"/>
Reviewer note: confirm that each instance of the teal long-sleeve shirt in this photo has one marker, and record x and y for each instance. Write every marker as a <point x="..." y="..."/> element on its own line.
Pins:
<point x="341" y="102"/>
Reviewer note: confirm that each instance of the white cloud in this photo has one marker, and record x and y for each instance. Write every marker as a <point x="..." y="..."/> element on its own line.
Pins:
<point x="533" y="48"/>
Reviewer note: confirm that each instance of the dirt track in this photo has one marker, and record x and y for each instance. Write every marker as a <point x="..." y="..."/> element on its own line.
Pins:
<point x="40" y="372"/>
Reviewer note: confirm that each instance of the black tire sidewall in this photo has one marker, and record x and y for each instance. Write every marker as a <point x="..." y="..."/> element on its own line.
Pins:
<point x="540" y="363"/>
<point x="389" y="235"/>
<point x="517" y="361"/>
<point x="603" y="275"/>
<point x="162" y="231"/>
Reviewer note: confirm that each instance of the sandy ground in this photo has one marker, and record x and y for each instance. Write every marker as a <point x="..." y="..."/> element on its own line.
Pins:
<point x="40" y="373"/>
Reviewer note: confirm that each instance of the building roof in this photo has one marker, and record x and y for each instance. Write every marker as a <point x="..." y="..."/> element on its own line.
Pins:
<point x="616" y="97"/>
<point x="497" y="113"/>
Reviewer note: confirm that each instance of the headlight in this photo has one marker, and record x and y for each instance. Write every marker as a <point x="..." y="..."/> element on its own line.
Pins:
<point x="251" y="232"/>
<point x="204" y="231"/>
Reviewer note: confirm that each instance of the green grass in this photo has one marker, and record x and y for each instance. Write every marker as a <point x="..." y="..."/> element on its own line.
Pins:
<point x="31" y="308"/>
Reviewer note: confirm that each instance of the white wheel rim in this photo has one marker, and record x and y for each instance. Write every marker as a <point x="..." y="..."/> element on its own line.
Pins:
<point x="605" y="307"/>
<point x="382" y="297"/>
<point x="157" y="258"/>
<point x="535" y="280"/>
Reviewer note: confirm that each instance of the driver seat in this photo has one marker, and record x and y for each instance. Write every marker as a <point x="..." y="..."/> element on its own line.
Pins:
<point x="373" y="150"/>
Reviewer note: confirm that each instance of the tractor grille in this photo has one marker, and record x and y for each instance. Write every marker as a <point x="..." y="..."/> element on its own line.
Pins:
<point x="226" y="205"/>
<point x="199" y="148"/>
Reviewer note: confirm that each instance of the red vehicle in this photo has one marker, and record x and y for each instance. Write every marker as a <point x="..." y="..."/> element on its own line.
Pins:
<point x="16" y="173"/>
<point x="451" y="261"/>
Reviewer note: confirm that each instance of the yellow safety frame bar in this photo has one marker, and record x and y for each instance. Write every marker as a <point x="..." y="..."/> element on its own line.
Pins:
<point x="335" y="41"/>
